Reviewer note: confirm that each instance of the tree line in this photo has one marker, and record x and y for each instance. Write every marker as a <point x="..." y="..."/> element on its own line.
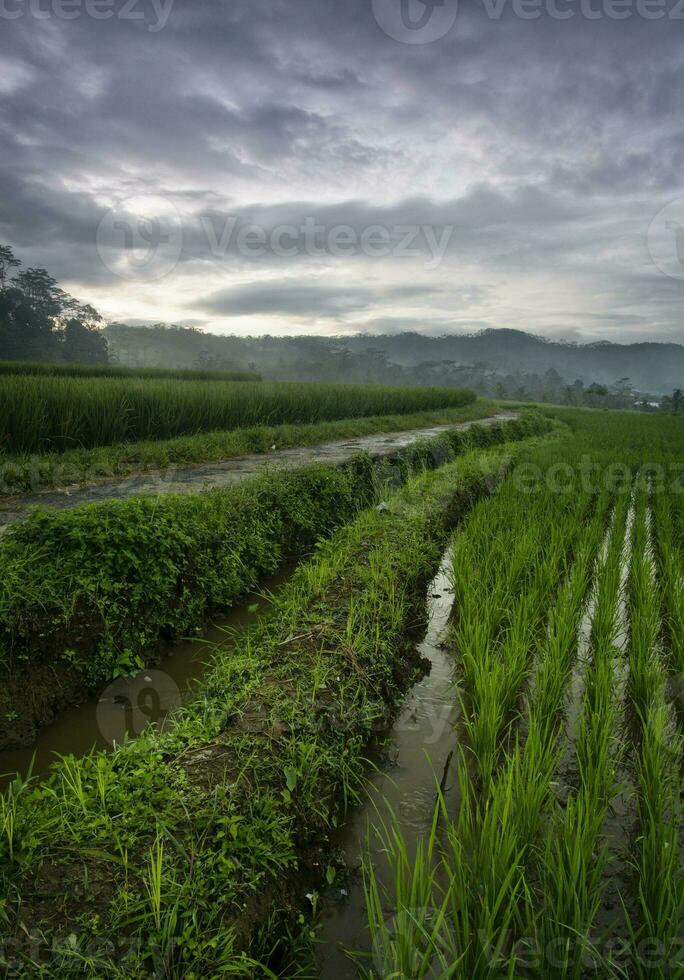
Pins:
<point x="41" y="322"/>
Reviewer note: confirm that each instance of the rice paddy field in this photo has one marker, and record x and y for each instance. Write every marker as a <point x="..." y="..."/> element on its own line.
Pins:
<point x="563" y="855"/>
<point x="549" y="841"/>
<point x="49" y="413"/>
<point x="65" y="370"/>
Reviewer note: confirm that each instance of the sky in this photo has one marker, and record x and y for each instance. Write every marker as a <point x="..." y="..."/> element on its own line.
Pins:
<point x="340" y="166"/>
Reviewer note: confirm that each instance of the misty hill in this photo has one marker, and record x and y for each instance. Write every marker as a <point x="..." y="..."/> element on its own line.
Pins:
<point x="652" y="367"/>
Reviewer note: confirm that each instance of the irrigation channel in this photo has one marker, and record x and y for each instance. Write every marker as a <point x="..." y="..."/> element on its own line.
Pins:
<point x="129" y="704"/>
<point x="230" y="472"/>
<point x="409" y="764"/>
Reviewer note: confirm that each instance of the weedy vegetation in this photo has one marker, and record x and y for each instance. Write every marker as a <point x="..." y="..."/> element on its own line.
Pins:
<point x="95" y="592"/>
<point x="188" y="849"/>
<point x="203" y="848"/>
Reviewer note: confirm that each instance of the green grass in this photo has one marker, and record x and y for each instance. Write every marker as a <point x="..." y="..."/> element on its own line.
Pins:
<point x="93" y="590"/>
<point x="191" y="850"/>
<point x="43" y="414"/>
<point x="178" y="847"/>
<point x="39" y="369"/>
<point x="23" y="472"/>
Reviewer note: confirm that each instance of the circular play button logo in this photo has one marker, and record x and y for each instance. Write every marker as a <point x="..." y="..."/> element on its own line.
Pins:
<point x="415" y="21"/>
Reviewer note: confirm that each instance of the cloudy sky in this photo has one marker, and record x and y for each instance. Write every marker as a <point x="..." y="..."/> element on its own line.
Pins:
<point x="335" y="166"/>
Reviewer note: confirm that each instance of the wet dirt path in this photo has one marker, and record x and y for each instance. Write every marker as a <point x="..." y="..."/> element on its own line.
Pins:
<point x="210" y="476"/>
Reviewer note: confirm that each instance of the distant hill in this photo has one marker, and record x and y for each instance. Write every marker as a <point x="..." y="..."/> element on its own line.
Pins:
<point x="651" y="367"/>
<point x="658" y="368"/>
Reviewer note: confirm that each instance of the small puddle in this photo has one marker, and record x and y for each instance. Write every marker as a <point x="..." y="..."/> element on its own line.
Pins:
<point x="129" y="704"/>
<point x="409" y="771"/>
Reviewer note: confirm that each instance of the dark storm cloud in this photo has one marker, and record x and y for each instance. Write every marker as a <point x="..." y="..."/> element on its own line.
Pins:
<point x="301" y="299"/>
<point x="547" y="145"/>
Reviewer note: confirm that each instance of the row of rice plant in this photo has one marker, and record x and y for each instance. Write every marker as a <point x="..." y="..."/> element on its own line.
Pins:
<point x="521" y="575"/>
<point x="44" y="369"/>
<point x="660" y="885"/>
<point x="41" y="414"/>
<point x="502" y="825"/>
<point x="503" y="585"/>
<point x="563" y="858"/>
<point x="670" y="574"/>
<point x="573" y="860"/>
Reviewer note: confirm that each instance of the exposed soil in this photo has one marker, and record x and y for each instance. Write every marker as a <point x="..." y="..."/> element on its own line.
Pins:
<point x="210" y="476"/>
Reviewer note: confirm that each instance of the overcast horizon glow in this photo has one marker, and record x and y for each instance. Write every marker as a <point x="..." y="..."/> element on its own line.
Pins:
<point x="529" y="156"/>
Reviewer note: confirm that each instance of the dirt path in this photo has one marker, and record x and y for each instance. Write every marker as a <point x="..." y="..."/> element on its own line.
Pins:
<point x="209" y="476"/>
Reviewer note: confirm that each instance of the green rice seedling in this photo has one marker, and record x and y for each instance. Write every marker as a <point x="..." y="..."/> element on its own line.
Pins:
<point x="668" y="555"/>
<point x="492" y="842"/>
<point x="573" y="858"/>
<point x="658" y="857"/>
<point x="571" y="888"/>
<point x="154" y="880"/>
<point x="8" y="820"/>
<point x="407" y="927"/>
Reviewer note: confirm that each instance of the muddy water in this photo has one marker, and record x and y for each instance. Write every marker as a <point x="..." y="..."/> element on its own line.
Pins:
<point x="405" y="783"/>
<point x="129" y="704"/>
<point x="182" y="480"/>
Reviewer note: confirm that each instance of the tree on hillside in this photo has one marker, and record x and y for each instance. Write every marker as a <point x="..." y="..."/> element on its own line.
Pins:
<point x="7" y="263"/>
<point x="674" y="402"/>
<point x="596" y="394"/>
<point x="41" y="322"/>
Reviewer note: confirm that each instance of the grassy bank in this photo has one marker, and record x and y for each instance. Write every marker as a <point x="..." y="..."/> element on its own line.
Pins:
<point x="38" y="369"/>
<point x="90" y="593"/>
<point x="42" y="414"/>
<point x="26" y="472"/>
<point x="183" y="848"/>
